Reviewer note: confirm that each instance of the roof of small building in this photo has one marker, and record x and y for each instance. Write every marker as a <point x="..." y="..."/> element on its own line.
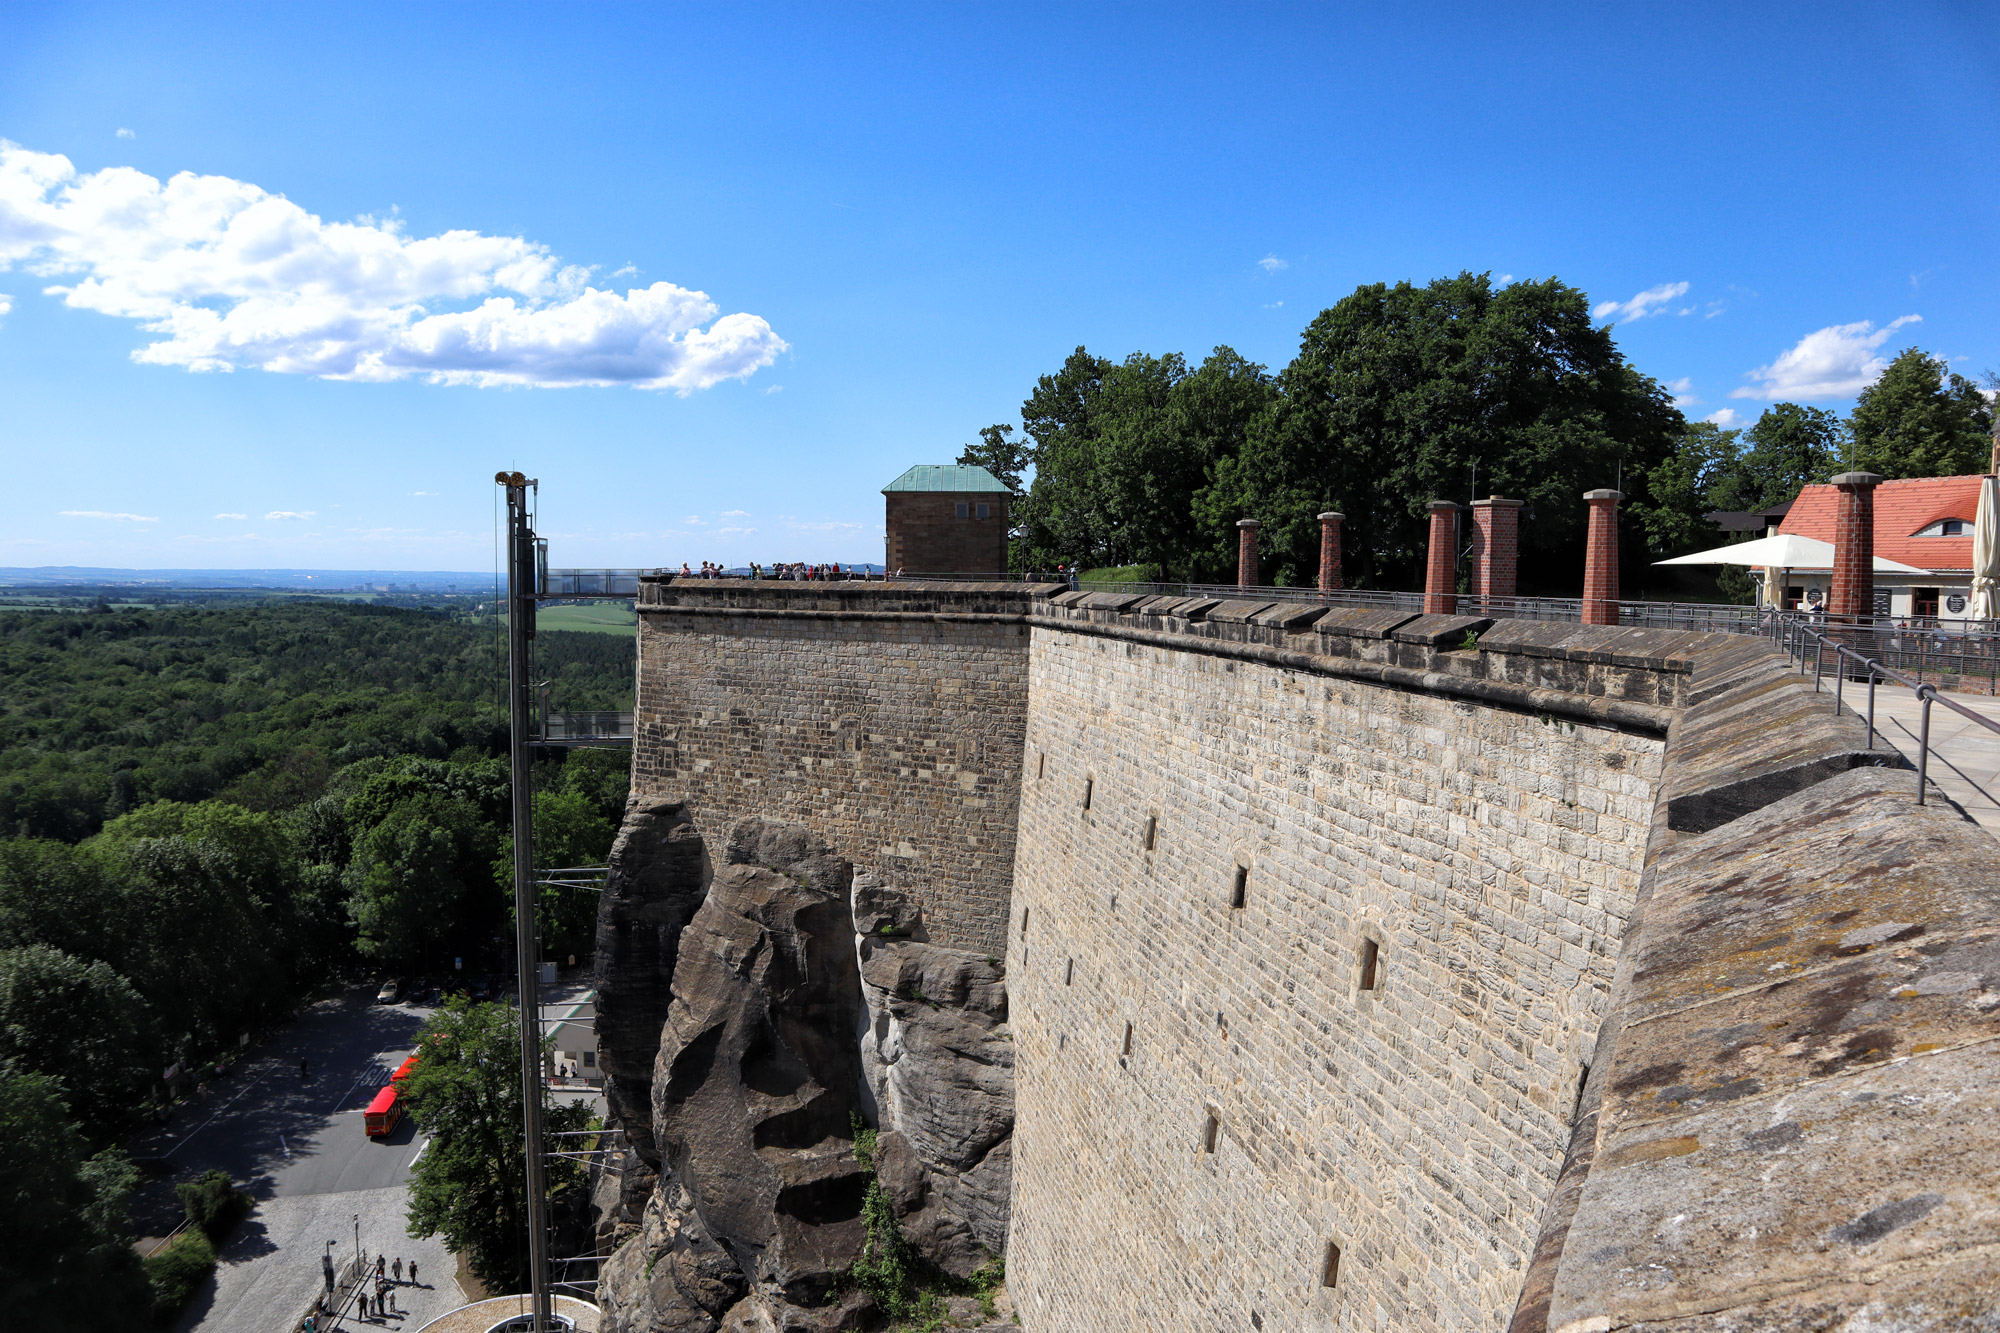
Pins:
<point x="959" y="477"/>
<point x="1902" y="509"/>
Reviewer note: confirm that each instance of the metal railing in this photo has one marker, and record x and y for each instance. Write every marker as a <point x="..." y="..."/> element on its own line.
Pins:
<point x="1801" y="637"/>
<point x="589" y="582"/>
<point x="605" y="727"/>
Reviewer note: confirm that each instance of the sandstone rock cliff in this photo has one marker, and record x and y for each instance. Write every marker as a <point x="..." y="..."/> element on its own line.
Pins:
<point x="777" y="1029"/>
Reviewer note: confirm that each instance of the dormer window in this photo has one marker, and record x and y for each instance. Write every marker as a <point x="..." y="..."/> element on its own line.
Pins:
<point x="1947" y="527"/>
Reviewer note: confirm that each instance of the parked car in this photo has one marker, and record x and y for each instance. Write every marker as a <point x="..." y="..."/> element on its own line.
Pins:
<point x="392" y="991"/>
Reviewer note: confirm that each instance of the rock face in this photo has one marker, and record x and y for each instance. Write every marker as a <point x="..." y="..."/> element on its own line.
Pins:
<point x="787" y="1010"/>
<point x="658" y="879"/>
<point x="941" y="1070"/>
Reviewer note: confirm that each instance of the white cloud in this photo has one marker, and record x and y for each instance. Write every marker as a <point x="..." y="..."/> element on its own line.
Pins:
<point x="124" y="133"/>
<point x="736" y="513"/>
<point x="232" y="515"/>
<point x="734" y="532"/>
<point x="1728" y="418"/>
<point x="796" y="526"/>
<point x="413" y="493"/>
<point x="775" y="388"/>
<point x="99" y="513"/>
<point x="1683" y="391"/>
<point x="1273" y="305"/>
<point x="1835" y="362"/>
<point x="1652" y="301"/>
<point x="277" y="514"/>
<point x="1271" y="264"/>
<point x="1506" y="278"/>
<point x="231" y="277"/>
<point x="696" y="520"/>
<point x="6" y="304"/>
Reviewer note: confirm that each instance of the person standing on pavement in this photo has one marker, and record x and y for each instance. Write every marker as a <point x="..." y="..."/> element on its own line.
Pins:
<point x="413" y="1272"/>
<point x="381" y="1262"/>
<point x="397" y="1268"/>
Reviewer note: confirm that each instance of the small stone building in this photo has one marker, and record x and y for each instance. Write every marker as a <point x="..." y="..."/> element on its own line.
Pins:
<point x="948" y="519"/>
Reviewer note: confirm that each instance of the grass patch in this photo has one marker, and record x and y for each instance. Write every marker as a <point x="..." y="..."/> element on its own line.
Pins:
<point x="596" y="618"/>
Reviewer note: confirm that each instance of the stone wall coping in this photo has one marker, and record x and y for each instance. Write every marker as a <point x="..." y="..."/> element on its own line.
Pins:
<point x="1439" y="631"/>
<point x="1603" y="711"/>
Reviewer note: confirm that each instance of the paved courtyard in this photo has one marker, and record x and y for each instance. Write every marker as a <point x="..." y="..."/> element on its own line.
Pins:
<point x="1965" y="757"/>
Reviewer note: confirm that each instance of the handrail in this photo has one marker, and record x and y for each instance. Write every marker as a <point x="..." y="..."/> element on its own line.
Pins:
<point x="1795" y="631"/>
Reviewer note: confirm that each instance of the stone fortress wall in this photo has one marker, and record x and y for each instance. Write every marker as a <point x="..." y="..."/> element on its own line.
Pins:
<point x="1211" y="851"/>
<point x="886" y="717"/>
<point x="1634" y="899"/>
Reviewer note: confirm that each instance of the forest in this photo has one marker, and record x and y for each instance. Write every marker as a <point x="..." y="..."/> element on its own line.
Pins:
<point x="206" y="814"/>
<point x="1404" y="393"/>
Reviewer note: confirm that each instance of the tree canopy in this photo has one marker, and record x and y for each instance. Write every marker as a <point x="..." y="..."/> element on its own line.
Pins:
<point x="1921" y="419"/>
<point x="469" y="1186"/>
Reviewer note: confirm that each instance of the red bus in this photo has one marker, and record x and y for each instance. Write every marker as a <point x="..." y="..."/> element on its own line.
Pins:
<point x="382" y="1113"/>
<point x="403" y="1071"/>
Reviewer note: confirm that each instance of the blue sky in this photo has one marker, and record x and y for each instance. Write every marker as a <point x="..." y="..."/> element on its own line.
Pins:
<point x="900" y="216"/>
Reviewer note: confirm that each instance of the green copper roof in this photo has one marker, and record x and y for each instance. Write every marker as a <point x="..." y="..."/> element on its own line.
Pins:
<point x="949" y="477"/>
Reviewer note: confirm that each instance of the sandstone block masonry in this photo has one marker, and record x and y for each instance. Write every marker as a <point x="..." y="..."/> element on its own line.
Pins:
<point x="887" y="717"/>
<point x="1305" y="974"/>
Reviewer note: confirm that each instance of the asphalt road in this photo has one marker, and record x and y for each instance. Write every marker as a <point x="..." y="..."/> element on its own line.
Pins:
<point x="279" y="1135"/>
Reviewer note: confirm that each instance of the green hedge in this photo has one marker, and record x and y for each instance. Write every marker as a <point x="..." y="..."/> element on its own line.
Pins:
<point x="178" y="1271"/>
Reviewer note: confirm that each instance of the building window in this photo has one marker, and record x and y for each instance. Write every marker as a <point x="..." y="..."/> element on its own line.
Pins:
<point x="1210" y="1127"/>
<point x="1088" y="783"/>
<point x="958" y="510"/>
<point x="1128" y="1040"/>
<point x="985" y="511"/>
<point x="1240" y="888"/>
<point x="1329" y="1275"/>
<point x="1152" y="829"/>
<point x="1371" y="964"/>
<point x="590" y="1059"/>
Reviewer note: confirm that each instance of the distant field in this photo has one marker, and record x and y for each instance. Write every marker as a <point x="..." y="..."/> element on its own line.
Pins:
<point x="603" y="618"/>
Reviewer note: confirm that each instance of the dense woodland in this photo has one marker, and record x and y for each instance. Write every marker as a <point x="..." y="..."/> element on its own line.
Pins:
<point x="206" y="813"/>
<point x="1401" y="394"/>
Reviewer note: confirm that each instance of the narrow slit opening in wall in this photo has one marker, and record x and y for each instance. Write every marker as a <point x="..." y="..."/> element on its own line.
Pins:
<point x="1211" y="1126"/>
<point x="1152" y="827"/>
<point x="1041" y="764"/>
<point x="1128" y="1040"/>
<point x="1329" y="1273"/>
<point x="1240" y="887"/>
<point x="1024" y="923"/>
<point x="1088" y="783"/>
<point x="1371" y="958"/>
<point x="1582" y="1082"/>
<point x="1069" y="971"/>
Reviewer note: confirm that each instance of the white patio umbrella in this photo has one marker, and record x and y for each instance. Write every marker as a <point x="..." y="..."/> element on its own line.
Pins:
<point x="1986" y="553"/>
<point x="1787" y="551"/>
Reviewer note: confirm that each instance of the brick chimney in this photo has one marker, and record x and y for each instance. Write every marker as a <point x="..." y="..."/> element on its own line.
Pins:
<point x="1246" y="552"/>
<point x="1600" y="559"/>
<point x="1496" y="547"/>
<point x="1441" y="574"/>
<point x="1854" y="547"/>
<point x="1329" y="551"/>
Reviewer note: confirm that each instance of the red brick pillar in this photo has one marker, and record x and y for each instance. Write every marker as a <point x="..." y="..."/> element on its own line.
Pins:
<point x="1246" y="552"/>
<point x="1496" y="547"/>
<point x="1600" y="559"/>
<point x="1441" y="574"/>
<point x="1329" y="551"/>
<point x="1854" y="547"/>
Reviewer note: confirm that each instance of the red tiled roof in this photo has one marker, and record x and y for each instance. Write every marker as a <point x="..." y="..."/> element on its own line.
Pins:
<point x="1901" y="508"/>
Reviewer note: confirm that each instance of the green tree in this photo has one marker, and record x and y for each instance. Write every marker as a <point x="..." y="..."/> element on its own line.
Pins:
<point x="1684" y="487"/>
<point x="1121" y="450"/>
<point x="1921" y="419"/>
<point x="65" y="1263"/>
<point x="470" y="1184"/>
<point x="420" y="878"/>
<point x="1787" y="447"/>
<point x="570" y="831"/>
<point x="1000" y="453"/>
<point x="83" y="1026"/>
<point x="1398" y="393"/>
